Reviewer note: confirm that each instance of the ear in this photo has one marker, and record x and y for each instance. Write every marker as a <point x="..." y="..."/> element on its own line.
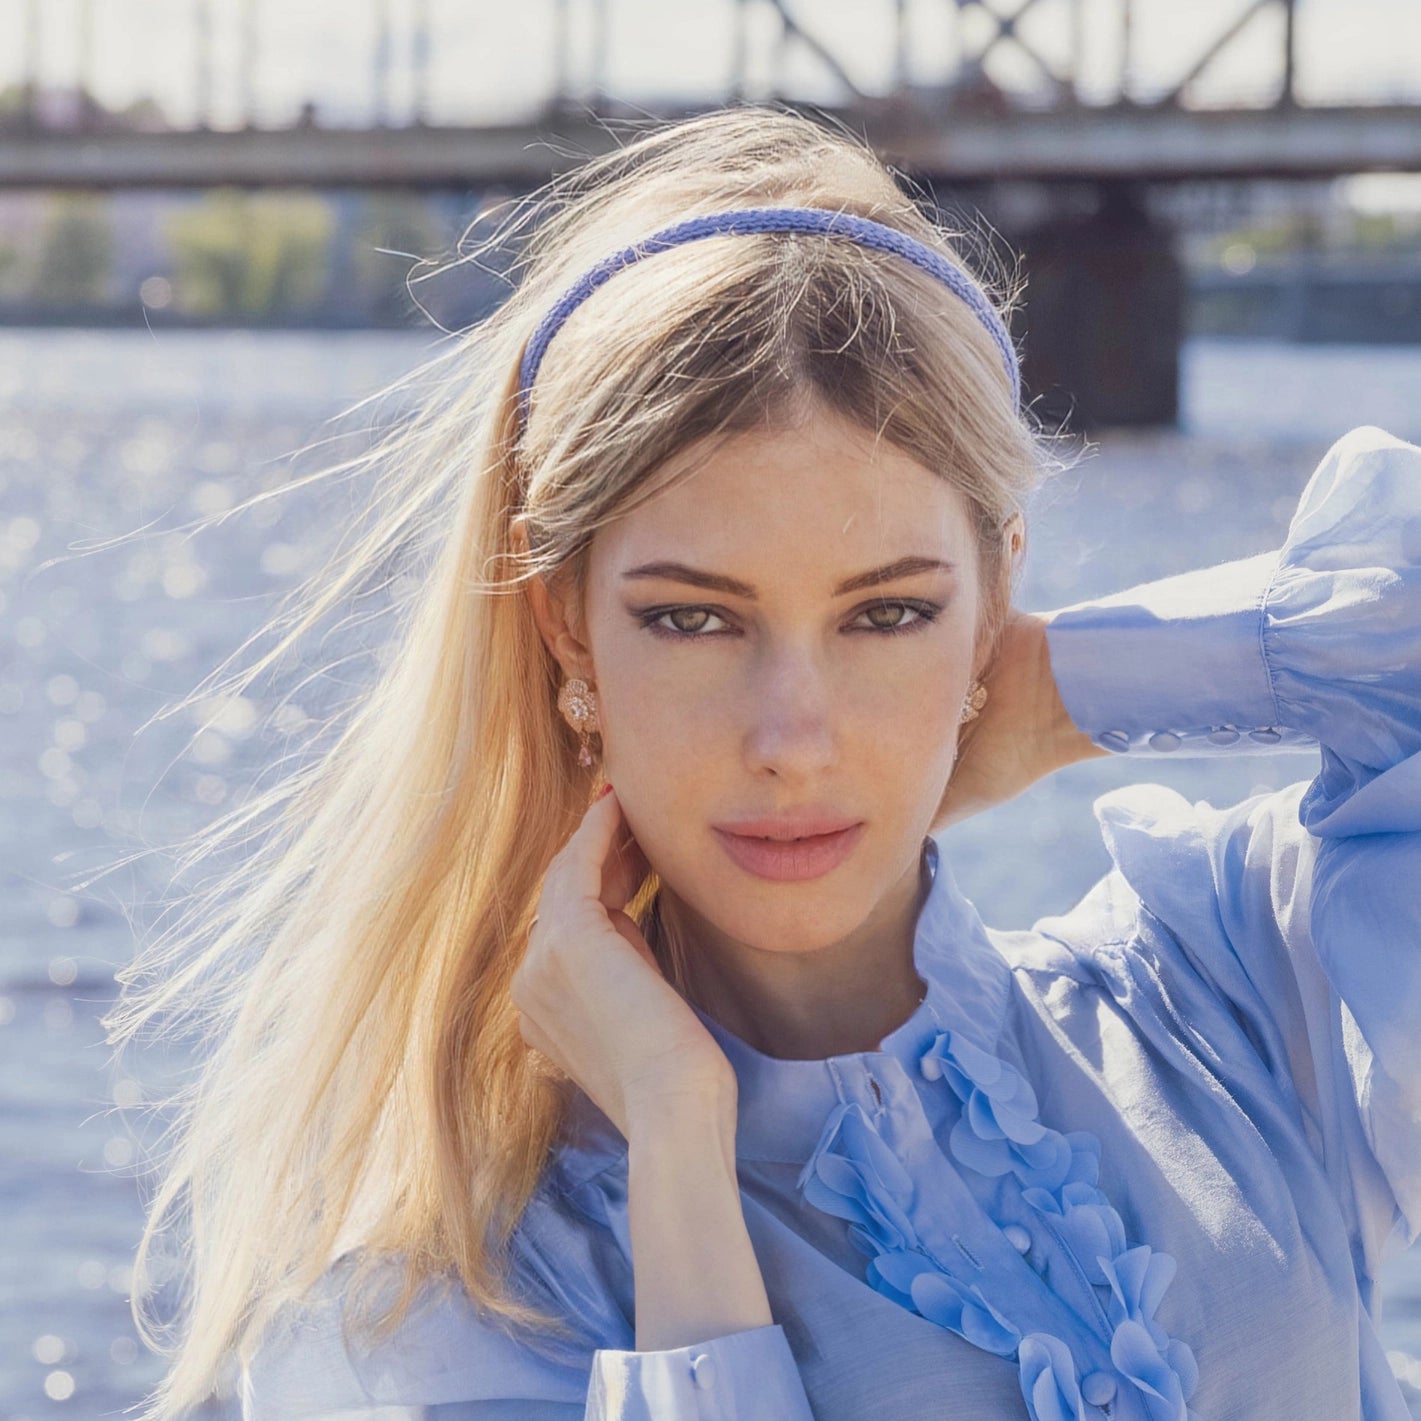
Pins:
<point x="1013" y="547"/>
<point x="557" y="620"/>
<point x="1014" y="537"/>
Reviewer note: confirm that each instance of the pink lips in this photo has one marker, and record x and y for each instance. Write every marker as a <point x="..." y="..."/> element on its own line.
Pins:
<point x="810" y="856"/>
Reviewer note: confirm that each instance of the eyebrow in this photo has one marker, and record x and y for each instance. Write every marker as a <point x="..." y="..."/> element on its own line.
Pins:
<point x="733" y="587"/>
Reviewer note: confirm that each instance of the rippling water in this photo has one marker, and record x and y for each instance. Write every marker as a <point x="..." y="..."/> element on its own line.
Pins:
<point x="102" y="434"/>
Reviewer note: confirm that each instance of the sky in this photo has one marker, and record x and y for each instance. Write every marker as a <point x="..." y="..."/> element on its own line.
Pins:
<point x="491" y="60"/>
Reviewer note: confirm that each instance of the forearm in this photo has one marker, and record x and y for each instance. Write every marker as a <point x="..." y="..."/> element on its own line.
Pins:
<point x="696" y="1273"/>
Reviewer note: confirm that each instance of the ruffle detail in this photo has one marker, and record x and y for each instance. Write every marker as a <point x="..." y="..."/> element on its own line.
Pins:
<point x="854" y="1175"/>
<point x="1048" y="1378"/>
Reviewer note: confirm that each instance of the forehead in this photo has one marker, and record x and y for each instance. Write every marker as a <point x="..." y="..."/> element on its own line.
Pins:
<point x="822" y="498"/>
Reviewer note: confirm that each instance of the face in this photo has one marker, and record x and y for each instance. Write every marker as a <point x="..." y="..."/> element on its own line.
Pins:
<point x="789" y="692"/>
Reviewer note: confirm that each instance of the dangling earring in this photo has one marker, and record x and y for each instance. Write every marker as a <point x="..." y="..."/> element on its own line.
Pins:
<point x="976" y="699"/>
<point x="578" y="703"/>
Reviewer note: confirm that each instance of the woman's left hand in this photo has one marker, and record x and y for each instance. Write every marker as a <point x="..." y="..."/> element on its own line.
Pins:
<point x="1021" y="734"/>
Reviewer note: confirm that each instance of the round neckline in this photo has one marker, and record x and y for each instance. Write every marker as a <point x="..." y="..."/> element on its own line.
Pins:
<point x="783" y="1101"/>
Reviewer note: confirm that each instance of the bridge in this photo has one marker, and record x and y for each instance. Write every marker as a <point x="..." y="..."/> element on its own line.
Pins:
<point x="1114" y="98"/>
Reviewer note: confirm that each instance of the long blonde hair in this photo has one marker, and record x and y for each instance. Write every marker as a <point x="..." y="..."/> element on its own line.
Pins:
<point x="363" y="1078"/>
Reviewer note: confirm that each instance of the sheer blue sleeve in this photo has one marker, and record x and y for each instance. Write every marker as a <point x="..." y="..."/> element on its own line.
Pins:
<point x="744" y="1375"/>
<point x="448" y="1363"/>
<point x="1315" y="645"/>
<point x="1302" y="908"/>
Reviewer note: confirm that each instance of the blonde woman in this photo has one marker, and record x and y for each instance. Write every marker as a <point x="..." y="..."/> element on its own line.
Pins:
<point x="606" y="1036"/>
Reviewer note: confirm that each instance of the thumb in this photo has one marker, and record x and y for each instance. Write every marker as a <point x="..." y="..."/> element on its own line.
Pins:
<point x="626" y="926"/>
<point x="624" y="866"/>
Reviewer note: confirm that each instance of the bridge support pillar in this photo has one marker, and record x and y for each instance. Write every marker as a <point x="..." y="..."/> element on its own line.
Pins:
<point x="1103" y="316"/>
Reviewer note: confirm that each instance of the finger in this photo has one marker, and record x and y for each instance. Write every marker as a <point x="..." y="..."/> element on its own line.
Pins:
<point x="589" y="847"/>
<point x="602" y="862"/>
<point x="623" y="873"/>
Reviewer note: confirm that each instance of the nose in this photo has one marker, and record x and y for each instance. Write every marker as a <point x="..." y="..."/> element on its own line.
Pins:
<point x="793" y="711"/>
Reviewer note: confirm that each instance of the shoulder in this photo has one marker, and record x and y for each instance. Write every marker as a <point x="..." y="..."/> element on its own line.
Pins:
<point x="1176" y="859"/>
<point x="312" y="1363"/>
<point x="1181" y="952"/>
<point x="1186" y="879"/>
<point x="572" y="1250"/>
<point x="1361" y="450"/>
<point x="564" y="1259"/>
<point x="1366" y="481"/>
<point x="1366" y="438"/>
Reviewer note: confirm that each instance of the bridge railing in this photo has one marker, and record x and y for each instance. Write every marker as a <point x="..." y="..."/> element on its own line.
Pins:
<point x="185" y="65"/>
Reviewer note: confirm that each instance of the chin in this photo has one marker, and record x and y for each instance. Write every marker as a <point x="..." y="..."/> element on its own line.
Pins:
<point x="792" y="917"/>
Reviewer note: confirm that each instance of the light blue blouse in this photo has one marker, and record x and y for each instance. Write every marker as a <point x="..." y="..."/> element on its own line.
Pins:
<point x="1142" y="1162"/>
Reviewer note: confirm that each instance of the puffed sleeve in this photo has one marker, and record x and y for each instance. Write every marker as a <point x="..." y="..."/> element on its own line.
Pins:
<point x="1316" y="644"/>
<point x="445" y="1360"/>
<point x="1300" y="907"/>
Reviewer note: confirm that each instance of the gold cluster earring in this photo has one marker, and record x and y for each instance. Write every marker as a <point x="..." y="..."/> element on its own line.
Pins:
<point x="976" y="699"/>
<point x="578" y="703"/>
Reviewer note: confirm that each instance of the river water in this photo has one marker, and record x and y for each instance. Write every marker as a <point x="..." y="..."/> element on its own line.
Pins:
<point x="110" y="610"/>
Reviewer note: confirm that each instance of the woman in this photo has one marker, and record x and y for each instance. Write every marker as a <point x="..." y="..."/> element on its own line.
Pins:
<point x="724" y="528"/>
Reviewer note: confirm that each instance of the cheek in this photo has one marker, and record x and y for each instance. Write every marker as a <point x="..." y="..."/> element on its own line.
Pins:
<point x="660" y="711"/>
<point x="908" y="716"/>
<point x="910" y="722"/>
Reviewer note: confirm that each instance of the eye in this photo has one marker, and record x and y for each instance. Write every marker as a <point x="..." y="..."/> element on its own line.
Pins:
<point x="923" y="614"/>
<point x="653" y="620"/>
<point x="688" y="623"/>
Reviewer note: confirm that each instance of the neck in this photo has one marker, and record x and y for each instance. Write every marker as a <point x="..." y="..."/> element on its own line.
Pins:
<point x="841" y="998"/>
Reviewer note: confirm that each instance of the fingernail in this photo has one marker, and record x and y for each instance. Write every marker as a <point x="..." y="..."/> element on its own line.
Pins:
<point x="604" y="791"/>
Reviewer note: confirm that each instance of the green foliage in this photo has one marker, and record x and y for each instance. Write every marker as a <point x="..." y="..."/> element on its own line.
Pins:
<point x="76" y="251"/>
<point x="396" y="234"/>
<point x="257" y="254"/>
<point x="1388" y="231"/>
<point x="1360" y="233"/>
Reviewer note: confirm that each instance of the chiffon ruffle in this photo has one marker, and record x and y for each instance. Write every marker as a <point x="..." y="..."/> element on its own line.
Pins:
<point x="854" y="1175"/>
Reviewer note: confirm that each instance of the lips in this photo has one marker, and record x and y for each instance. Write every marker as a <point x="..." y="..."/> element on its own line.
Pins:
<point x="796" y="859"/>
<point x="808" y="823"/>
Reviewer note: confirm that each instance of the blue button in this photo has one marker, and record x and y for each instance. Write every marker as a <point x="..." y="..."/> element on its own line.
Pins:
<point x="1223" y="735"/>
<point x="1098" y="1388"/>
<point x="1113" y="740"/>
<point x="1017" y="1237"/>
<point x="1265" y="736"/>
<point x="1164" y="740"/>
<point x="703" y="1370"/>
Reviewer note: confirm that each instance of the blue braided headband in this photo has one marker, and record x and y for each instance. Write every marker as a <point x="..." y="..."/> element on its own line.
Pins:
<point x="769" y="219"/>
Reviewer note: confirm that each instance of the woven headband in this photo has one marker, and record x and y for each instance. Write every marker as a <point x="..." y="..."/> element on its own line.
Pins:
<point x="745" y="220"/>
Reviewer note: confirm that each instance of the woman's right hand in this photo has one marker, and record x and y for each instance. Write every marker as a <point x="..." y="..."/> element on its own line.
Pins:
<point x="590" y="994"/>
<point x="593" y="1000"/>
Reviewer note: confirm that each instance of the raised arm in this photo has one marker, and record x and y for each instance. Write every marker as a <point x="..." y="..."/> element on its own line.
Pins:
<point x="1299" y="907"/>
<point x="1315" y="645"/>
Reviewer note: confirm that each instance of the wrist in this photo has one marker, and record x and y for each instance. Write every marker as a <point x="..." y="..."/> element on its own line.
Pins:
<point x="711" y="1098"/>
<point x="695" y="1269"/>
<point x="1069" y="742"/>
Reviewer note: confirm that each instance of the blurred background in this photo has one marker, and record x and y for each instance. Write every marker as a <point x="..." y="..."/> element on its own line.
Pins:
<point x="223" y="222"/>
